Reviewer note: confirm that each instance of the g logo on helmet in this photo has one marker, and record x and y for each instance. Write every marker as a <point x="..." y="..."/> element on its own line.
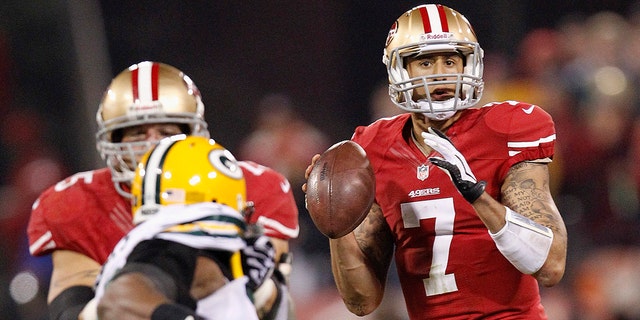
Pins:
<point x="225" y="162"/>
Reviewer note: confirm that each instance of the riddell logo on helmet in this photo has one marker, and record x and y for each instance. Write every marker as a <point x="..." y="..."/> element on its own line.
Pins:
<point x="145" y="106"/>
<point x="148" y="212"/>
<point x="437" y="36"/>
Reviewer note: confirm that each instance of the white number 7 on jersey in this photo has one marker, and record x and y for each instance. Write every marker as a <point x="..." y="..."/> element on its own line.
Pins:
<point x="443" y="212"/>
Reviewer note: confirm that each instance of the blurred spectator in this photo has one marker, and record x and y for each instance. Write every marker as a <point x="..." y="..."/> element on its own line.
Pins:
<point x="497" y="71"/>
<point x="604" y="37"/>
<point x="606" y="285"/>
<point x="34" y="165"/>
<point x="28" y="163"/>
<point x="281" y="139"/>
<point x="6" y="97"/>
<point x="326" y="303"/>
<point x="380" y="106"/>
<point x="598" y="179"/>
<point x="634" y="155"/>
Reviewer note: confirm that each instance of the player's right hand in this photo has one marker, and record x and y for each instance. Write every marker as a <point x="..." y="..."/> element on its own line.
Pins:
<point x="307" y="172"/>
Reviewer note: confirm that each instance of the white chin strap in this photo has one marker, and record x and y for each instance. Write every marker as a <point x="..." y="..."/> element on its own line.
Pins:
<point x="427" y="108"/>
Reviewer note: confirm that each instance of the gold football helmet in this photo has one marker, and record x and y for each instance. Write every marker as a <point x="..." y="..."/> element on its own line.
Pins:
<point x="426" y="29"/>
<point x="145" y="93"/>
<point x="184" y="170"/>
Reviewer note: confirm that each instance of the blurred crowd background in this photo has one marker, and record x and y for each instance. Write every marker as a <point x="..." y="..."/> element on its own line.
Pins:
<point x="283" y="80"/>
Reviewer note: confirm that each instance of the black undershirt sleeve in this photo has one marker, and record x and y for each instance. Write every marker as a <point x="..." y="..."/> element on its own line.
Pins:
<point x="70" y="302"/>
<point x="176" y="260"/>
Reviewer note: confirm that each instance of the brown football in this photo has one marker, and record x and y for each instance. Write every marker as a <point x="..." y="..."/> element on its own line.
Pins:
<point x="340" y="189"/>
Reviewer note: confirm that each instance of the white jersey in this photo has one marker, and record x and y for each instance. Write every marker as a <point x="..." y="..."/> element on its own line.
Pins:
<point x="202" y="226"/>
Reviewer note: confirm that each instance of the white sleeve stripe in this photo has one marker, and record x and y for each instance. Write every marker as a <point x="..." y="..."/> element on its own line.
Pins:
<point x="525" y="144"/>
<point x="279" y="227"/>
<point x="40" y="242"/>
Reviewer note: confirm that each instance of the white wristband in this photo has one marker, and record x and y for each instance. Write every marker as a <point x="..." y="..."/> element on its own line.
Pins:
<point x="264" y="293"/>
<point x="524" y="242"/>
<point x="90" y="311"/>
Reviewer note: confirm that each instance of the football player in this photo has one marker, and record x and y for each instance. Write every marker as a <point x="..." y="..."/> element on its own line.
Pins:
<point x="462" y="191"/>
<point x="185" y="255"/>
<point x="80" y="219"/>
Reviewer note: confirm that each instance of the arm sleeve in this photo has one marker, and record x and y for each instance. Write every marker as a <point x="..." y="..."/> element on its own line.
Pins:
<point x="158" y="259"/>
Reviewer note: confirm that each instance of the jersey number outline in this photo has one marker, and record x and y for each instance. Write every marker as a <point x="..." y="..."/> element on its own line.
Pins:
<point x="86" y="176"/>
<point x="442" y="210"/>
<point x="256" y="169"/>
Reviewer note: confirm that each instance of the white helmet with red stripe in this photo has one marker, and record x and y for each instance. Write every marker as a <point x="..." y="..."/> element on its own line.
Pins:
<point x="145" y="93"/>
<point x="427" y="29"/>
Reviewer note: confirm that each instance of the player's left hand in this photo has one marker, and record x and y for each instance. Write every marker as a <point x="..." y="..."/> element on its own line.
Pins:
<point x="258" y="260"/>
<point x="454" y="164"/>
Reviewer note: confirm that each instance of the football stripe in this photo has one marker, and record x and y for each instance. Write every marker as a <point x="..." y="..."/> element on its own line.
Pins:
<point x="526" y="144"/>
<point x="134" y="84"/>
<point x="155" y="79"/>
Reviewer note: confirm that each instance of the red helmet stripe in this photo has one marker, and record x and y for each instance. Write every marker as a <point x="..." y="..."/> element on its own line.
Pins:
<point x="134" y="84"/>
<point x="154" y="81"/>
<point x="426" y="24"/>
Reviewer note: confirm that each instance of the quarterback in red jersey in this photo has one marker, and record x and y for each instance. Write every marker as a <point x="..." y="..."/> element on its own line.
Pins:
<point x="80" y="219"/>
<point x="462" y="192"/>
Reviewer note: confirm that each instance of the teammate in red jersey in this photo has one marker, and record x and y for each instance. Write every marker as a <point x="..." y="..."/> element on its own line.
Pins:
<point x="462" y="192"/>
<point x="80" y="219"/>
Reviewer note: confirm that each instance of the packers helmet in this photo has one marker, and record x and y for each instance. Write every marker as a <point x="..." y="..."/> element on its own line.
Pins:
<point x="426" y="29"/>
<point x="185" y="170"/>
<point x="145" y="93"/>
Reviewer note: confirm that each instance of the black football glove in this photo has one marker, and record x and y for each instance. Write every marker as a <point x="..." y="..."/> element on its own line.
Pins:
<point x="258" y="260"/>
<point x="454" y="164"/>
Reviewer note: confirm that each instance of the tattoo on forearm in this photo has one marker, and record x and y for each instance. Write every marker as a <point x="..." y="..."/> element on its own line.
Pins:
<point x="374" y="237"/>
<point x="530" y="196"/>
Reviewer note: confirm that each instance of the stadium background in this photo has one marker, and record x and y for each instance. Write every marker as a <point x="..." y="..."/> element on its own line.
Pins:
<point x="56" y="58"/>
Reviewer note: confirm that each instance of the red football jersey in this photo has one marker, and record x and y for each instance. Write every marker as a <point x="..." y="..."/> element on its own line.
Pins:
<point x="84" y="213"/>
<point x="448" y="265"/>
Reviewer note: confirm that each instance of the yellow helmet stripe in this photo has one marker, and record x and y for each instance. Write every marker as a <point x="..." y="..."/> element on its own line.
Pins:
<point x="214" y="228"/>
